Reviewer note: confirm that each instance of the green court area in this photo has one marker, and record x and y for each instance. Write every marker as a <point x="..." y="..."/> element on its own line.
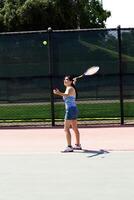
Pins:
<point x="41" y="112"/>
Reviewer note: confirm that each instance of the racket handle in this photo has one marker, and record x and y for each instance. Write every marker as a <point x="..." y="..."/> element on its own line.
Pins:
<point x="79" y="76"/>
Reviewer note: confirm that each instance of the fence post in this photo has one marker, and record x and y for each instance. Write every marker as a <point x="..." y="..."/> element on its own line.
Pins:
<point x="50" y="60"/>
<point x="121" y="75"/>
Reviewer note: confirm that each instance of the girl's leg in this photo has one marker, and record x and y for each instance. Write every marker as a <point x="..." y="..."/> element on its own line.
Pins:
<point x="76" y="131"/>
<point x="67" y="124"/>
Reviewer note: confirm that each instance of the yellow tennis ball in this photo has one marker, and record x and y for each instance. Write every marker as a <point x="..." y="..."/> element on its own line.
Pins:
<point x="45" y="42"/>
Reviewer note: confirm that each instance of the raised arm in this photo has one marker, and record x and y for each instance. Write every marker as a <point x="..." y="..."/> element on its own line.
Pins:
<point x="65" y="94"/>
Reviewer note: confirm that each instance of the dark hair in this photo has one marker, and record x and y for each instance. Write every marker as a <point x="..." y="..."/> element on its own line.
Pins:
<point x="72" y="84"/>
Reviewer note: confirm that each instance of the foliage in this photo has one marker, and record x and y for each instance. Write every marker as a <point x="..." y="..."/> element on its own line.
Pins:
<point x="33" y="15"/>
<point x="92" y="14"/>
<point x="18" y="15"/>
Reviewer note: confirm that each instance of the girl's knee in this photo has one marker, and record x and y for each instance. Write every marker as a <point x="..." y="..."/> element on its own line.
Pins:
<point x="66" y="129"/>
<point x="67" y="126"/>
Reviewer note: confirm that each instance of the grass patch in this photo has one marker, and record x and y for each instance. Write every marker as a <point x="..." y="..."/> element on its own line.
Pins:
<point x="42" y="112"/>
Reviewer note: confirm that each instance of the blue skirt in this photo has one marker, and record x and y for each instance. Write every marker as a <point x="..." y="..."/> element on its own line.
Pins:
<point x="71" y="113"/>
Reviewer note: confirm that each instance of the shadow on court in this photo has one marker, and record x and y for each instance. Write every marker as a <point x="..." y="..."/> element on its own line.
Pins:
<point x="93" y="152"/>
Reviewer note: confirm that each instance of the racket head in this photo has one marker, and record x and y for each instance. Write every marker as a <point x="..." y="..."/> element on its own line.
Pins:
<point x="92" y="70"/>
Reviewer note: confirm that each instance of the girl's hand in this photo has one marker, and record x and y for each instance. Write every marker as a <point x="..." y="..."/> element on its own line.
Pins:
<point x="74" y="80"/>
<point x="56" y="91"/>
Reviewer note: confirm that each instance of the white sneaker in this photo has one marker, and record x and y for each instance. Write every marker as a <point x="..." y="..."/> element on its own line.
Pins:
<point x="77" y="147"/>
<point x="67" y="150"/>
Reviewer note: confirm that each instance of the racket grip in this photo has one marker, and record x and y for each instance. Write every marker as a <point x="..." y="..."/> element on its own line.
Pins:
<point x="79" y="76"/>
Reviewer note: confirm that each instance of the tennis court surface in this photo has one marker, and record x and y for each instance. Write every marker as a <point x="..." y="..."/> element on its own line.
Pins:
<point x="33" y="168"/>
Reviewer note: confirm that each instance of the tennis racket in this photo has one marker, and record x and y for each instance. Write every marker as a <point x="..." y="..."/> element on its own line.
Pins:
<point x="89" y="72"/>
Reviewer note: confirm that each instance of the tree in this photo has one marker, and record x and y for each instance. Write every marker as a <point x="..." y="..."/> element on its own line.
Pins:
<point x="80" y="14"/>
<point x="92" y="14"/>
<point x="59" y="14"/>
<point x="65" y="17"/>
<point x="8" y="14"/>
<point x="33" y="15"/>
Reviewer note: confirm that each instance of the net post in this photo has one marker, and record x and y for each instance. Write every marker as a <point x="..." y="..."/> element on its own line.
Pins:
<point x="50" y="60"/>
<point x="120" y="75"/>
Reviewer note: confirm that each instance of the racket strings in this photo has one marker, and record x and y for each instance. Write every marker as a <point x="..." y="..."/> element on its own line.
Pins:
<point x="91" y="70"/>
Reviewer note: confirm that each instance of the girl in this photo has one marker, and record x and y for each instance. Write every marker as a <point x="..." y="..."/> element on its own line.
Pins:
<point x="71" y="113"/>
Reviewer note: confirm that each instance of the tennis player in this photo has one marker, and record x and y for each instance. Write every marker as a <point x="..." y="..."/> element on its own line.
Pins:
<point x="71" y="112"/>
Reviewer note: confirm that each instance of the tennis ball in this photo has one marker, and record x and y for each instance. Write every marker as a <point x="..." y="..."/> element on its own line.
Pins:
<point x="49" y="29"/>
<point x="45" y="42"/>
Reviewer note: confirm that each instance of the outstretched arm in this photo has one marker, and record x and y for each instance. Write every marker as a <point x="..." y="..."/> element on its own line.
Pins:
<point x="57" y="92"/>
<point x="67" y="93"/>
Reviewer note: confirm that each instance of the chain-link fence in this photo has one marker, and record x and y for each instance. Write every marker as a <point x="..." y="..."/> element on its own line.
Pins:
<point x="30" y="70"/>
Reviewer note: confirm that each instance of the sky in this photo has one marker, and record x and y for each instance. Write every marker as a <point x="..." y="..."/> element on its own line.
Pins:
<point x="122" y="13"/>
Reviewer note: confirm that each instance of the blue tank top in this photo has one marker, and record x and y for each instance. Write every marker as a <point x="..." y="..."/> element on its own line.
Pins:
<point x="69" y="101"/>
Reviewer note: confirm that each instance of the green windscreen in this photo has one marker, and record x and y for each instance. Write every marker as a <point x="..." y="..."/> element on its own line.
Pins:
<point x="30" y="70"/>
<point x="98" y="95"/>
